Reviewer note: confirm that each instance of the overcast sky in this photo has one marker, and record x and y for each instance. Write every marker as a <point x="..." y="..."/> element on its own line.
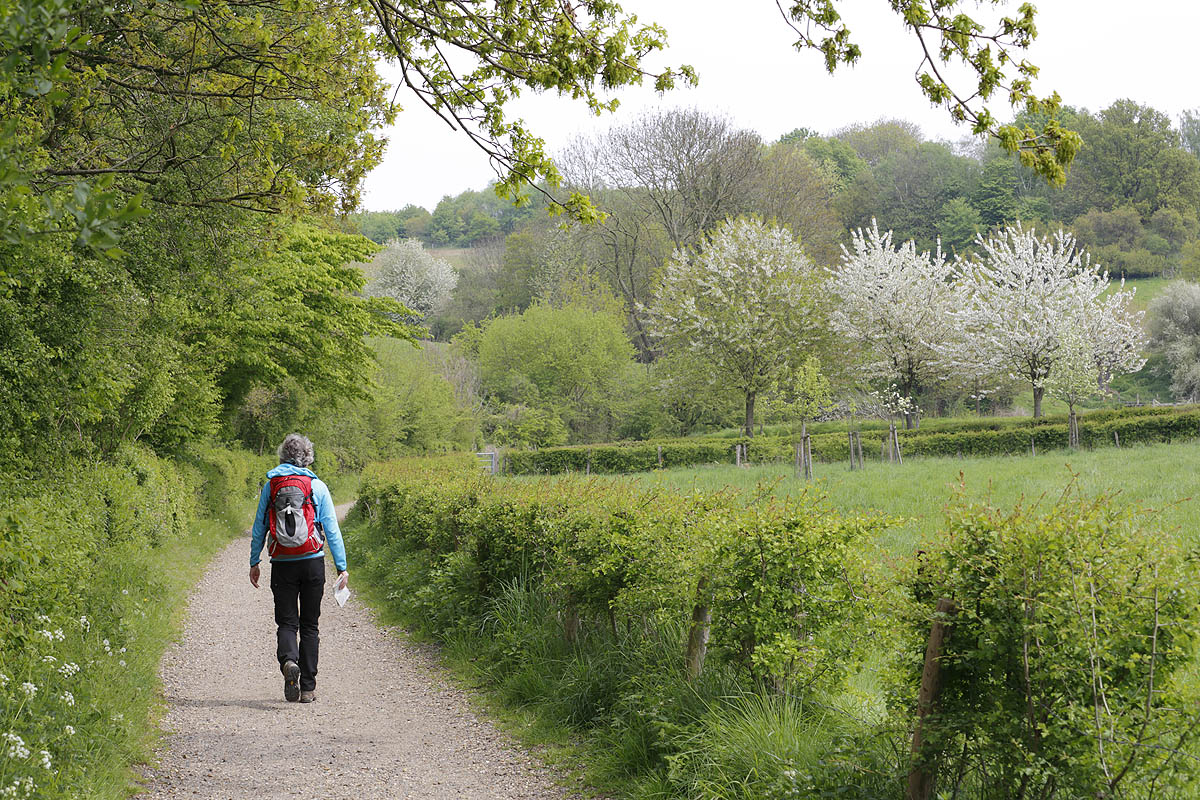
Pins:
<point x="1091" y="51"/>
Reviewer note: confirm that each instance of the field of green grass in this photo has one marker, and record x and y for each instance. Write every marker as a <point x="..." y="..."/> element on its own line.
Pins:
<point x="1158" y="478"/>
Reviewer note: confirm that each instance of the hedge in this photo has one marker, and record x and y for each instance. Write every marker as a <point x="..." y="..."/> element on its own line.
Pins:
<point x="973" y="438"/>
<point x="616" y="550"/>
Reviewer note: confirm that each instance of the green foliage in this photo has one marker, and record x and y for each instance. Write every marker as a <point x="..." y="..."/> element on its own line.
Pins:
<point x="95" y="560"/>
<point x="570" y="360"/>
<point x="1071" y="628"/>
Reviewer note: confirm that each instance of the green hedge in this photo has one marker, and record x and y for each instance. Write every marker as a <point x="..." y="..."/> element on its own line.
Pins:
<point x="88" y="585"/>
<point x="616" y="549"/>
<point x="972" y="438"/>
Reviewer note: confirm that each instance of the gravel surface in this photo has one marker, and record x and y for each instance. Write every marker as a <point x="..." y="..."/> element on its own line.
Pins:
<point x="384" y="724"/>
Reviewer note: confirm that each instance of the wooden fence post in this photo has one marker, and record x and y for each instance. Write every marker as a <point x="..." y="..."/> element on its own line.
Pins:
<point x="697" y="645"/>
<point x="799" y="447"/>
<point x="850" y="436"/>
<point x="858" y="447"/>
<point x="660" y="456"/>
<point x="896" y="444"/>
<point x="587" y="468"/>
<point x="737" y="454"/>
<point x="1032" y="446"/>
<point x="1117" y="438"/>
<point x="921" y="775"/>
<point x="808" y="470"/>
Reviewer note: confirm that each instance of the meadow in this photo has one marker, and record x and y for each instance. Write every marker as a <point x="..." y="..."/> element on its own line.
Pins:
<point x="1160" y="479"/>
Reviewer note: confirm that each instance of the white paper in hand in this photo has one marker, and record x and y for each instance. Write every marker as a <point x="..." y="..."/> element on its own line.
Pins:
<point x="341" y="592"/>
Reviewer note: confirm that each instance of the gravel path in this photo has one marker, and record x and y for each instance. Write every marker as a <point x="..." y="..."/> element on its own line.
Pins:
<point x="384" y="725"/>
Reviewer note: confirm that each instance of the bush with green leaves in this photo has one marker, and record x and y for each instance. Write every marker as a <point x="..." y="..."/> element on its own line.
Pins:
<point x="1066" y="669"/>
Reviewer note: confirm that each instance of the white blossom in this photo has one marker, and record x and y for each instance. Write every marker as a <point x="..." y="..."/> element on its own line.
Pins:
<point x="69" y="730"/>
<point x="85" y="623"/>
<point x="744" y="305"/>
<point x="30" y="689"/>
<point x="68" y="698"/>
<point x="45" y="759"/>
<point x="895" y="305"/>
<point x="69" y="670"/>
<point x="409" y="274"/>
<point x="1020" y="297"/>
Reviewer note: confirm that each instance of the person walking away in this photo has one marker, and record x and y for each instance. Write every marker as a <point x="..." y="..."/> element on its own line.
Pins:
<point x="296" y="519"/>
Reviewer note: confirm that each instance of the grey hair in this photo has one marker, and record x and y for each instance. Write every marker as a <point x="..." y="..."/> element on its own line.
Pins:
<point x="296" y="449"/>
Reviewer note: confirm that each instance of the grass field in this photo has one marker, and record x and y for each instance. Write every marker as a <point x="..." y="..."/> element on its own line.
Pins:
<point x="1159" y="478"/>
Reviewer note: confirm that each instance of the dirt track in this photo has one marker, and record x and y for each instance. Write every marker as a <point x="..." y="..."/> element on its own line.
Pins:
<point x="384" y="724"/>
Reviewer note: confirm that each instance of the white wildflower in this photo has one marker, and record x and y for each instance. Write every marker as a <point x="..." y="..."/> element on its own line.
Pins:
<point x="125" y="591"/>
<point x="121" y="662"/>
<point x="68" y="698"/>
<point x="30" y="689"/>
<point x="69" y="730"/>
<point x="16" y="745"/>
<point x="48" y="634"/>
<point x="59" y="635"/>
<point x="3" y="680"/>
<point x="48" y="659"/>
<point x="85" y="623"/>
<point x="45" y="760"/>
<point x="42" y="619"/>
<point x="69" y="670"/>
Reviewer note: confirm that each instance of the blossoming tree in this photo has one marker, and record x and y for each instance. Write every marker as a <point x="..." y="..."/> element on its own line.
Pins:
<point x="1021" y="295"/>
<point x="745" y="303"/>
<point x="410" y="274"/>
<point x="895" y="304"/>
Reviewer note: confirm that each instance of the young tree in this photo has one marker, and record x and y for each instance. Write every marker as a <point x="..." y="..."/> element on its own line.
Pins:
<point x="412" y="276"/>
<point x="1022" y="292"/>
<point x="1076" y="376"/>
<point x="895" y="304"/>
<point x="746" y="304"/>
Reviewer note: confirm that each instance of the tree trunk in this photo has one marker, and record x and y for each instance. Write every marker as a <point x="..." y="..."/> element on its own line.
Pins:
<point x="922" y="773"/>
<point x="1073" y="428"/>
<point x="911" y="422"/>
<point x="749" y="429"/>
<point x="1038" y="391"/>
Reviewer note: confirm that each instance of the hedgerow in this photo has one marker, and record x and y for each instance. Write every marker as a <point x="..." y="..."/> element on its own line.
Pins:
<point x="968" y="438"/>
<point x="708" y="645"/>
<point x="86" y="579"/>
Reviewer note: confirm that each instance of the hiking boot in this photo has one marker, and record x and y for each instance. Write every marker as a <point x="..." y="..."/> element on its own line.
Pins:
<point x="291" y="681"/>
<point x="308" y="696"/>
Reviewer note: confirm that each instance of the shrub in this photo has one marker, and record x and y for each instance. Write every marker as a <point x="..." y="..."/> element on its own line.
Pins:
<point x="1069" y="632"/>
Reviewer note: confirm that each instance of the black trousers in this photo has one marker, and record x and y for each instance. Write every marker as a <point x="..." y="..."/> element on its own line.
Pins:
<point x="297" y="587"/>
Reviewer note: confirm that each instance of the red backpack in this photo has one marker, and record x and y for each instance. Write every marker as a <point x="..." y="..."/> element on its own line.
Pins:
<point x="292" y="518"/>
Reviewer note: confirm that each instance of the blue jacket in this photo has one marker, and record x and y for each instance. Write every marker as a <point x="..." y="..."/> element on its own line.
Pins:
<point x="326" y="515"/>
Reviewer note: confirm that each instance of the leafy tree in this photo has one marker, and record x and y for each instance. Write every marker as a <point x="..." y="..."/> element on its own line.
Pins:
<point x="958" y="225"/>
<point x="1075" y="377"/>
<point x="410" y="222"/>
<point x="1189" y="130"/>
<point x="413" y="277"/>
<point x="792" y="190"/>
<point x="746" y="305"/>
<point x="570" y="360"/>
<point x="995" y="196"/>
